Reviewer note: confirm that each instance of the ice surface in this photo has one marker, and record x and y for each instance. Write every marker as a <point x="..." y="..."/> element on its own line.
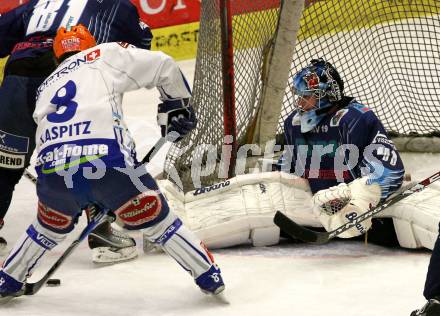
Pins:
<point x="344" y="278"/>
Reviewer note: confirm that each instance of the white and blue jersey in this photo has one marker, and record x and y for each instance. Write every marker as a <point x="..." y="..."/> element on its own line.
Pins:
<point x="348" y="143"/>
<point x="28" y="30"/>
<point x="79" y="106"/>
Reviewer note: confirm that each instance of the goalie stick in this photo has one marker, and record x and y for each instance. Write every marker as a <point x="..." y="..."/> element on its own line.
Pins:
<point x="307" y="235"/>
<point x="99" y="217"/>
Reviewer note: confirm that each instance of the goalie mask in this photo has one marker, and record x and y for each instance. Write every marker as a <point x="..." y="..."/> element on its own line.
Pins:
<point x="320" y="80"/>
<point x="73" y="39"/>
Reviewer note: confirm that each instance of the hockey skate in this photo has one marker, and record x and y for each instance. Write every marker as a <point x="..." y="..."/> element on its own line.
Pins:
<point x="431" y="308"/>
<point x="9" y="288"/>
<point x="211" y="282"/>
<point x="110" y="245"/>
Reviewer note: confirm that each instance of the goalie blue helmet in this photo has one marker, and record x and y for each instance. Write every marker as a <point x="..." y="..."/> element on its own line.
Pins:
<point x="321" y="80"/>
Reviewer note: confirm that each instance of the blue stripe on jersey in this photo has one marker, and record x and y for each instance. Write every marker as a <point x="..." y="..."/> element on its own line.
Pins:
<point x="111" y="19"/>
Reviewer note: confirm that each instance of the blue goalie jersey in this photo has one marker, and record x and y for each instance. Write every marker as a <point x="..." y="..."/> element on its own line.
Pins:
<point x="27" y="30"/>
<point x="348" y="143"/>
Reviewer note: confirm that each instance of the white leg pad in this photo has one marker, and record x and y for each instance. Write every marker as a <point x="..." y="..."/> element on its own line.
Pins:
<point x="29" y="249"/>
<point x="417" y="217"/>
<point x="181" y="244"/>
<point x="241" y="210"/>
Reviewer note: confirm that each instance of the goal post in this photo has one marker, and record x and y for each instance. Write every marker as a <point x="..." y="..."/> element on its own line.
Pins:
<point x="276" y="76"/>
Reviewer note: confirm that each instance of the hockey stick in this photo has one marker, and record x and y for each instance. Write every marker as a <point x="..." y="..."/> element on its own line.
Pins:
<point x="99" y="218"/>
<point x="307" y="235"/>
<point x="171" y="137"/>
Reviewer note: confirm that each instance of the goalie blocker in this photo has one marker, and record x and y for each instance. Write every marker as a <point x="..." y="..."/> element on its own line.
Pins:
<point x="240" y="210"/>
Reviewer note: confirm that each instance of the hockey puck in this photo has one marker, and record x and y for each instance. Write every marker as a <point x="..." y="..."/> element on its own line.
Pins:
<point x="53" y="282"/>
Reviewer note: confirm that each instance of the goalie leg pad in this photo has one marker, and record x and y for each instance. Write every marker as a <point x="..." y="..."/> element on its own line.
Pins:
<point x="29" y="249"/>
<point x="241" y="209"/>
<point x="416" y="219"/>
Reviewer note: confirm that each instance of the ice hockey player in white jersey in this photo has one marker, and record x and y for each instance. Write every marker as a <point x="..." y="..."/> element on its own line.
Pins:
<point x="26" y="35"/>
<point x="86" y="156"/>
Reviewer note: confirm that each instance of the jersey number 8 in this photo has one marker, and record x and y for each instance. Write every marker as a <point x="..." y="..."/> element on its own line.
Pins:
<point x="66" y="107"/>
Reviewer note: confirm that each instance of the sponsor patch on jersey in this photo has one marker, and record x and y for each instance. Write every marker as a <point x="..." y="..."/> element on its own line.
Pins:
<point x="142" y="209"/>
<point x="52" y="218"/>
<point x="123" y="44"/>
<point x="11" y="161"/>
<point x="93" y="55"/>
<point x="382" y="139"/>
<point x="360" y="107"/>
<point x="13" y="143"/>
<point x="336" y="119"/>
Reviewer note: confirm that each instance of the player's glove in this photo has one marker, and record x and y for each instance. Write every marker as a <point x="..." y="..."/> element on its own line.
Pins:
<point x="176" y="116"/>
<point x="340" y="204"/>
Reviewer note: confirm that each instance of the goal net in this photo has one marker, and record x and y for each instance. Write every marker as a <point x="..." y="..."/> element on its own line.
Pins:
<point x="387" y="52"/>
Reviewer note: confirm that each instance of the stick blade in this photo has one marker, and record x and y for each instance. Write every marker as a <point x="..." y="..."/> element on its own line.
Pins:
<point x="299" y="232"/>
<point x="31" y="288"/>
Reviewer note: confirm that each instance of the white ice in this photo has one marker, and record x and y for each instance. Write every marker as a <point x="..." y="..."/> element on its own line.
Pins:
<point x="344" y="278"/>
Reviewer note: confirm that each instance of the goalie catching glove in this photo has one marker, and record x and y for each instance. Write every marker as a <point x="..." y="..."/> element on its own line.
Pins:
<point x="176" y="116"/>
<point x="341" y="204"/>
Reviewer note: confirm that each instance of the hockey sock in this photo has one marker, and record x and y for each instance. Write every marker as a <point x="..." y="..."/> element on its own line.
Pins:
<point x="181" y="244"/>
<point x="28" y="251"/>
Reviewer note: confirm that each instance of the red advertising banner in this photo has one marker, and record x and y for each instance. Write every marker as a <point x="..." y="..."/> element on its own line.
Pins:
<point x="6" y="5"/>
<point x="161" y="13"/>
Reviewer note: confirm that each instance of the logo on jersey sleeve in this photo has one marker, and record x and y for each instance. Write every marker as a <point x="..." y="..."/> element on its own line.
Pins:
<point x="13" y="143"/>
<point x="336" y="119"/>
<point x="92" y="56"/>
